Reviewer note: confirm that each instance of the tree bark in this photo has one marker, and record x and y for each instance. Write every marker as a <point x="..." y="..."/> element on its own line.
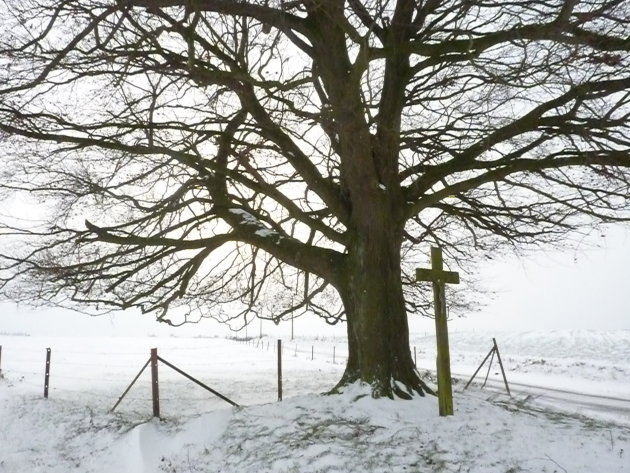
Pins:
<point x="378" y="332"/>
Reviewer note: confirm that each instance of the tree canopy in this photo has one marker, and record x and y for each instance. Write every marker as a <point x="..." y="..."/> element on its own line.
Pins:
<point x="271" y="156"/>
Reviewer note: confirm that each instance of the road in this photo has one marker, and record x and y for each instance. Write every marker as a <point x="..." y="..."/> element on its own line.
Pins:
<point x="602" y="407"/>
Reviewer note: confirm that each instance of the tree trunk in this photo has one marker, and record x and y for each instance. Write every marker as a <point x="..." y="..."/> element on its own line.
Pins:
<point x="378" y="332"/>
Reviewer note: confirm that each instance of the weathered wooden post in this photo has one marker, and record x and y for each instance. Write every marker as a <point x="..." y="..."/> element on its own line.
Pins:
<point x="440" y="278"/>
<point x="0" y="361"/>
<point x="47" y="373"/>
<point x="155" y="386"/>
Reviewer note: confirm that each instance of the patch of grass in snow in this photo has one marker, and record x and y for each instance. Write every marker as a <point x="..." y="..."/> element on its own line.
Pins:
<point x="330" y="429"/>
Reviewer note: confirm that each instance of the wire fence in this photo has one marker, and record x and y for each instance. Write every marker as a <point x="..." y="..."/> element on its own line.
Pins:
<point x="322" y="352"/>
<point x="335" y="353"/>
<point x="99" y="373"/>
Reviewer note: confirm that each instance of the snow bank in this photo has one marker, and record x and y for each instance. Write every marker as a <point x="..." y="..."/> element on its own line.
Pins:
<point x="74" y="431"/>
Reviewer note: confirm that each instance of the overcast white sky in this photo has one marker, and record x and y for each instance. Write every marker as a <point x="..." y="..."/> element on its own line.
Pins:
<point x="586" y="289"/>
<point x="561" y="290"/>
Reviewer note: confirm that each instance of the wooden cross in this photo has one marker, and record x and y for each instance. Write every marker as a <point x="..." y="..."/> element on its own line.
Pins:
<point x="440" y="278"/>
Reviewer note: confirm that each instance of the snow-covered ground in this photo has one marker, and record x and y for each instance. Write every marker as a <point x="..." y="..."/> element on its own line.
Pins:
<point x="74" y="430"/>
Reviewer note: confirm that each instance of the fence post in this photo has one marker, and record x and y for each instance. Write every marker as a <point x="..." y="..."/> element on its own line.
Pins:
<point x="279" y="370"/>
<point x="491" y="352"/>
<point x="489" y="368"/>
<point x="0" y="361"/>
<point x="130" y="385"/>
<point x="155" y="387"/>
<point x="312" y="352"/>
<point x="415" y="361"/>
<point x="47" y="373"/>
<point x="333" y="354"/>
<point x="496" y="349"/>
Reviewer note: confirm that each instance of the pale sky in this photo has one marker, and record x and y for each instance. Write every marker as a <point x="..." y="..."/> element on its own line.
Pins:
<point x="588" y="289"/>
<point x="585" y="289"/>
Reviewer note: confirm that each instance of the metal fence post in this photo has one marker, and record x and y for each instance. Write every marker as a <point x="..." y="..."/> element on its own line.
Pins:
<point x="279" y="370"/>
<point x="496" y="349"/>
<point x="47" y="373"/>
<point x="155" y="387"/>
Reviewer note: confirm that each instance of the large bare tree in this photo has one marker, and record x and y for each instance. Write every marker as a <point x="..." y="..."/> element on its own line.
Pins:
<point x="272" y="156"/>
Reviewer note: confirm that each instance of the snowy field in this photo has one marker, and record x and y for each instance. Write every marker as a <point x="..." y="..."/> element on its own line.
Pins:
<point x="74" y="430"/>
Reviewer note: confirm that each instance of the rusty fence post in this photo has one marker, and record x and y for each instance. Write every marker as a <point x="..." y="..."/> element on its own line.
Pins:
<point x="155" y="387"/>
<point x="279" y="370"/>
<point x="47" y="373"/>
